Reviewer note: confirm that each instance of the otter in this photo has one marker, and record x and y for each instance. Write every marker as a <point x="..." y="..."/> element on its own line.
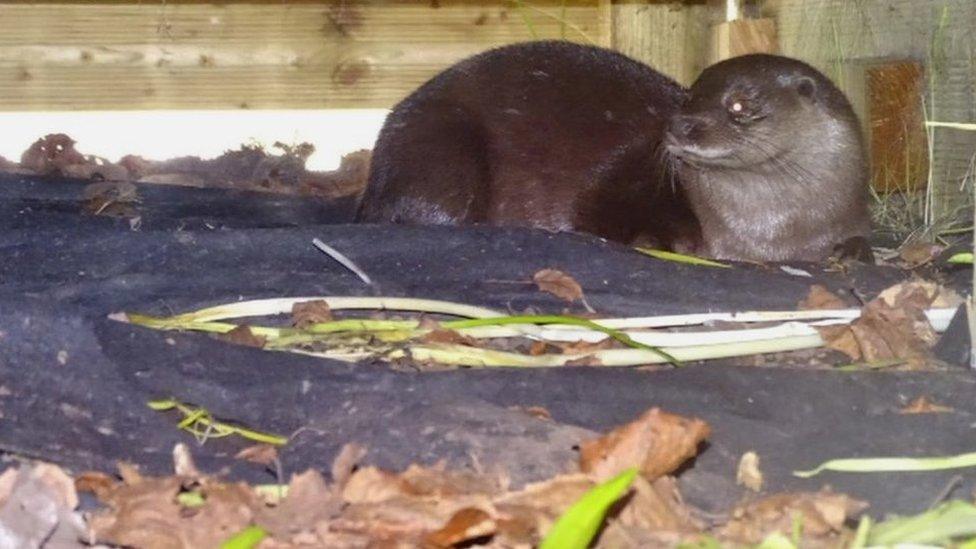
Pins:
<point x="567" y="137"/>
<point x="770" y="155"/>
<point x="546" y="134"/>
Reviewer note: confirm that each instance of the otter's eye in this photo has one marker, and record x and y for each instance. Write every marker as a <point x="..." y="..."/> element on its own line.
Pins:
<point x="743" y="111"/>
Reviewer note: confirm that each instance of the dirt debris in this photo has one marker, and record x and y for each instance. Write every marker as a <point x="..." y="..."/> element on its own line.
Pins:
<point x="280" y="170"/>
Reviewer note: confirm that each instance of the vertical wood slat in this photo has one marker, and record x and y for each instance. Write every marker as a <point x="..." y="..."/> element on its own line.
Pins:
<point x="671" y="37"/>
<point x="899" y="144"/>
<point x="257" y="55"/>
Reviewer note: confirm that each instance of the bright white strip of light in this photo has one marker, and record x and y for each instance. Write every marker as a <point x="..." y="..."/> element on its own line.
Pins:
<point x="161" y="134"/>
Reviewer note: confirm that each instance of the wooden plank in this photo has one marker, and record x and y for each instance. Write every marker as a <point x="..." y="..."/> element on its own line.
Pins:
<point x="672" y="37"/>
<point x="899" y="145"/>
<point x="125" y="55"/>
<point x="741" y="37"/>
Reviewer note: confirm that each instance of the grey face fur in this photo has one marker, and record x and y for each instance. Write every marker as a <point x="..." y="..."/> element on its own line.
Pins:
<point x="771" y="155"/>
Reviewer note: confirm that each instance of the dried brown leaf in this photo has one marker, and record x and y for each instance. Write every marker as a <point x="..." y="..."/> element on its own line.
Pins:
<point x="307" y="313"/>
<point x="523" y="516"/>
<point x="147" y="514"/>
<point x="657" y="443"/>
<point x="262" y="454"/>
<point x="819" y="298"/>
<point x="96" y="483"/>
<point x="917" y="254"/>
<point x="893" y="326"/>
<point x="840" y="338"/>
<point x="748" y="473"/>
<point x="657" y="506"/>
<point x="558" y="284"/>
<point x="920" y="294"/>
<point x="373" y="485"/>
<point x="450" y="337"/>
<point x="345" y="463"/>
<point x="242" y="335"/>
<point x="309" y="501"/>
<point x="538" y="348"/>
<point x="183" y="463"/>
<point x="924" y="405"/>
<point x="7" y="480"/>
<point x="465" y="525"/>
<point x="822" y="514"/>
<point x="129" y="472"/>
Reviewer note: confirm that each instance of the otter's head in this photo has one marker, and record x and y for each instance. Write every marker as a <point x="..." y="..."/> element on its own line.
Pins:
<point x="752" y="110"/>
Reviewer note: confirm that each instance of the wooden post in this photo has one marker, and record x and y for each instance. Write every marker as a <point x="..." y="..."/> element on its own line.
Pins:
<point x="742" y="36"/>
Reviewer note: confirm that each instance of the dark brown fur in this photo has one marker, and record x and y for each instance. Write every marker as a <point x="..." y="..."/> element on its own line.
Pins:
<point x="543" y="134"/>
<point x="567" y="137"/>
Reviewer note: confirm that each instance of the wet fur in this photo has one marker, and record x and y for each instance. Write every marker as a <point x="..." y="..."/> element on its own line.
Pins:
<point x="543" y="134"/>
<point x="789" y="179"/>
<point x="575" y="138"/>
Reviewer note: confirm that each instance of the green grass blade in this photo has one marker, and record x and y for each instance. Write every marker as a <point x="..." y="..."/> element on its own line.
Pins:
<point x="953" y="519"/>
<point x="246" y="538"/>
<point x="576" y="528"/>
<point x="681" y="258"/>
<point x="622" y="337"/>
<point x="888" y="464"/>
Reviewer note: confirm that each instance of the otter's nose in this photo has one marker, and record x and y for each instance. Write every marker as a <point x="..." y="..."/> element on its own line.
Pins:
<point x="683" y="125"/>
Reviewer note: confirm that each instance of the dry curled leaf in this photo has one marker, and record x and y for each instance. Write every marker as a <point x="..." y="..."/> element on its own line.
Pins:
<point x="822" y="514"/>
<point x="307" y="313"/>
<point x="148" y="514"/>
<point x="917" y="254"/>
<point x="309" y="502"/>
<point x="95" y="482"/>
<point x="748" y="473"/>
<point x="657" y="506"/>
<point x="657" y="443"/>
<point x="558" y="284"/>
<point x="819" y="298"/>
<point x="464" y="525"/>
<point x="262" y="454"/>
<point x="538" y="348"/>
<point x="242" y="335"/>
<point x="920" y="294"/>
<point x="450" y="337"/>
<point x="583" y="347"/>
<point x="924" y="405"/>
<point x="884" y="332"/>
<point x="346" y="462"/>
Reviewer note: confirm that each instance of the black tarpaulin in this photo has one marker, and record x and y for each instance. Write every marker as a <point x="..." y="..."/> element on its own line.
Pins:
<point x="74" y="384"/>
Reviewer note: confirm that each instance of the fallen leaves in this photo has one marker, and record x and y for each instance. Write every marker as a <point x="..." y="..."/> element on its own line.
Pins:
<point x="820" y="298"/>
<point x="37" y="507"/>
<point x="657" y="443"/>
<point x="924" y="405"/>
<point x="558" y="284"/>
<point x="748" y="473"/>
<point x="146" y="512"/>
<point x="307" y="313"/>
<point x="435" y="507"/>
<point x="892" y="326"/>
<point x="242" y="335"/>
<point x="822" y="514"/>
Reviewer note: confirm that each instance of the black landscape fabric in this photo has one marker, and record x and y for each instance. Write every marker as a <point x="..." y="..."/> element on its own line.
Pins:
<point x="74" y="384"/>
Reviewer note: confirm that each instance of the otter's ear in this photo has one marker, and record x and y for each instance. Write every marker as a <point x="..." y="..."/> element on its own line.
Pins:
<point x="806" y="87"/>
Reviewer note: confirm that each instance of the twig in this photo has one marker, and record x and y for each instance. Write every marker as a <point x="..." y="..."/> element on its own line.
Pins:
<point x="343" y="260"/>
